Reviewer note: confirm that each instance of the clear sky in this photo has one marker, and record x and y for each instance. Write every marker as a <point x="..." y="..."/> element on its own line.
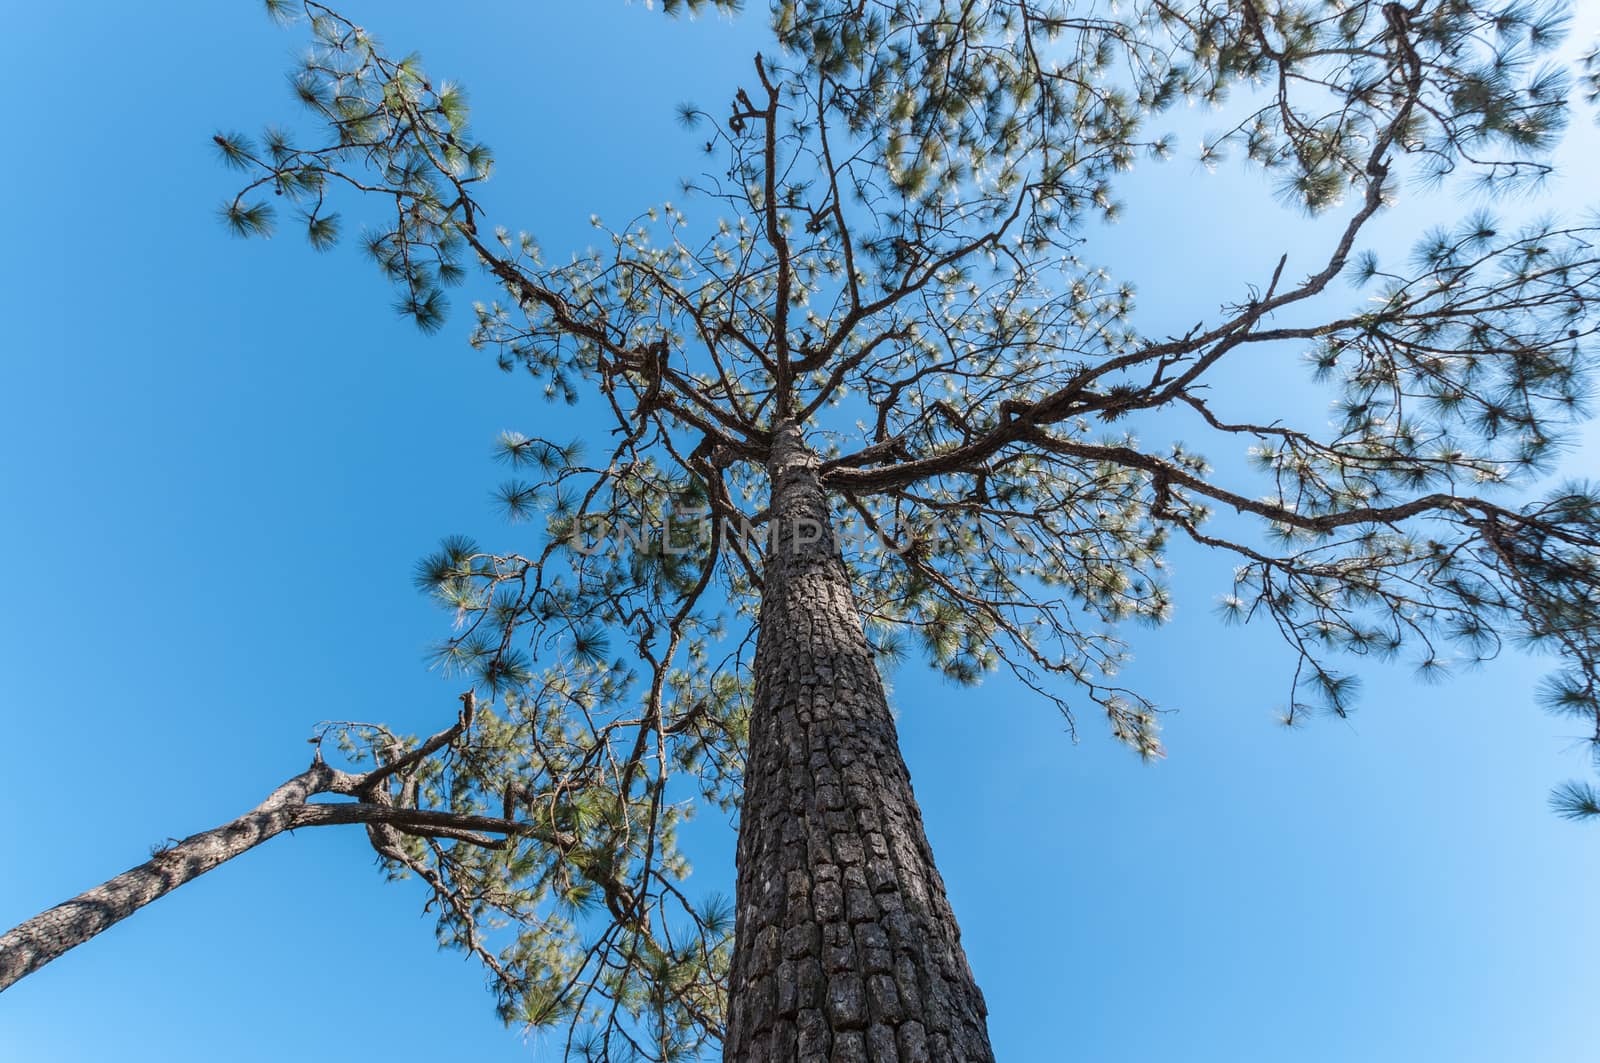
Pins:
<point x="219" y="461"/>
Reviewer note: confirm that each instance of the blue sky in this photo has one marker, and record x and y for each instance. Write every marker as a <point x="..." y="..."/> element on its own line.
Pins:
<point x="221" y="459"/>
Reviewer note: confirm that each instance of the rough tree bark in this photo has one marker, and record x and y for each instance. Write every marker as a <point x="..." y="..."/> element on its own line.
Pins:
<point x="845" y="946"/>
<point x="32" y="944"/>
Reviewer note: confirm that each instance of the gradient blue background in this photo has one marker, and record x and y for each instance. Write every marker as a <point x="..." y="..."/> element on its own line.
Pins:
<point x="219" y="460"/>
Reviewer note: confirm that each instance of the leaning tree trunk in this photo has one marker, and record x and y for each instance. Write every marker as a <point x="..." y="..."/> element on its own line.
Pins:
<point x="845" y="946"/>
<point x="30" y="945"/>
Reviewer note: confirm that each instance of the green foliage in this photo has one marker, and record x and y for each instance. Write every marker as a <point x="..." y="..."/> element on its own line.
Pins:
<point x="322" y="231"/>
<point x="889" y="253"/>
<point x="1576" y="800"/>
<point x="695" y="7"/>
<point x="388" y="116"/>
<point x="248" y="219"/>
<point x="570" y="935"/>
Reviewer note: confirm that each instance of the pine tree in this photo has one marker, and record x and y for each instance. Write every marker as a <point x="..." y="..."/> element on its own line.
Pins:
<point x="863" y="396"/>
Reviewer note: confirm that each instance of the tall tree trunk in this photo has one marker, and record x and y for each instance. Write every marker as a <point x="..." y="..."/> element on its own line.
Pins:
<point x="845" y="946"/>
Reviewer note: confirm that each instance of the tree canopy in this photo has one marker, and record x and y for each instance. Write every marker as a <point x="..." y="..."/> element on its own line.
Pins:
<point x="889" y="246"/>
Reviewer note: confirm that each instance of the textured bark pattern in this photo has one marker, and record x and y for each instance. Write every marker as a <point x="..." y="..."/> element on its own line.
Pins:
<point x="30" y="945"/>
<point x="846" y="948"/>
